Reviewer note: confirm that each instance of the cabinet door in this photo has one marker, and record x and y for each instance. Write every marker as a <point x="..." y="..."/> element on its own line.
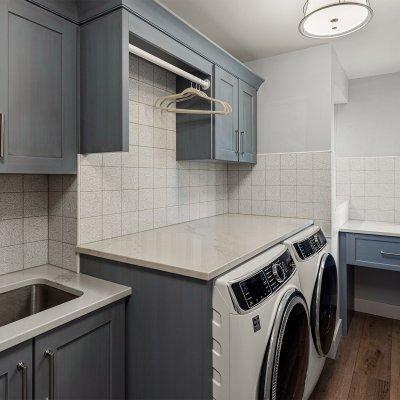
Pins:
<point x="247" y="123"/>
<point x="84" y="359"/>
<point x="226" y="127"/>
<point x="38" y="90"/>
<point x="16" y="372"/>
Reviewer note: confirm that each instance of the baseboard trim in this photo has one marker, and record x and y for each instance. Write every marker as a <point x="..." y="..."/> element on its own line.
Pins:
<point x="336" y="340"/>
<point x="376" y="308"/>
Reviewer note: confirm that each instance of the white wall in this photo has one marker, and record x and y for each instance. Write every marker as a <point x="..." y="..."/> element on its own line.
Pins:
<point x="369" y="125"/>
<point x="295" y="101"/>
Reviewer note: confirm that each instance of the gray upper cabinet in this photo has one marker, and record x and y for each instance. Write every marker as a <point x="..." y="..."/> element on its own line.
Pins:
<point x="104" y="86"/>
<point x="16" y="372"/>
<point x="38" y="94"/>
<point x="222" y="137"/>
<point x="226" y="129"/>
<point x="247" y="123"/>
<point x="104" y="74"/>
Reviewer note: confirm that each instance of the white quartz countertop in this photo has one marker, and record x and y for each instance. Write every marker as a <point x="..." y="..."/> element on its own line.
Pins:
<point x="202" y="249"/>
<point x="371" y="228"/>
<point x="96" y="293"/>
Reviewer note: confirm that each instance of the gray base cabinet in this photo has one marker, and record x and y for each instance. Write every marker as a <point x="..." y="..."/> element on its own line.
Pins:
<point x="168" y="330"/>
<point x="16" y="372"/>
<point x="82" y="360"/>
<point x="38" y="94"/>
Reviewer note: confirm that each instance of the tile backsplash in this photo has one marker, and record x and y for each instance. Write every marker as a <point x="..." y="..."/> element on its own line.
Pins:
<point x="63" y="223"/>
<point x="123" y="193"/>
<point x="23" y="221"/>
<point x="372" y="186"/>
<point x="294" y="185"/>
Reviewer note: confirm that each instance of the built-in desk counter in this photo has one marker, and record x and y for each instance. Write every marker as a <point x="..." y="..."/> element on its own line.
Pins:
<point x="364" y="244"/>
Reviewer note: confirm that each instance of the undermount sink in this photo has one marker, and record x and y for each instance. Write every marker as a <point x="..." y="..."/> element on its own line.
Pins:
<point x="31" y="299"/>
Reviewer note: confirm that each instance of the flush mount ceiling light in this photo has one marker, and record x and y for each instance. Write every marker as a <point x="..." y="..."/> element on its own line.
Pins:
<point x="334" y="18"/>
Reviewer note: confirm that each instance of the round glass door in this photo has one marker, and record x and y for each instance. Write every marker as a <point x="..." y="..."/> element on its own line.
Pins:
<point x="285" y="363"/>
<point x="324" y="305"/>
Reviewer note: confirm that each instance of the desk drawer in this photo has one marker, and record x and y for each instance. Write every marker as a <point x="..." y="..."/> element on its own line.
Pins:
<point x="376" y="251"/>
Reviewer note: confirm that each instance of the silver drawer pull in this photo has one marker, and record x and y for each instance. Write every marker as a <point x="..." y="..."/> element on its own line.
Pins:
<point x="383" y="253"/>
<point x="51" y="357"/>
<point x="22" y="368"/>
<point x="2" y="133"/>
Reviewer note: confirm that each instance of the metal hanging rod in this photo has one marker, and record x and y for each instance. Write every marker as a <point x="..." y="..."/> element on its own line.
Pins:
<point x="205" y="84"/>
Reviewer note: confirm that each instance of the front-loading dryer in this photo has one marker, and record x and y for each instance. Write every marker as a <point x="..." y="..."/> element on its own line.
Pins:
<point x="319" y="282"/>
<point x="260" y="330"/>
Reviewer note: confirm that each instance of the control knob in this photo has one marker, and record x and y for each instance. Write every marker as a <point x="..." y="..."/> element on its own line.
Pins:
<point x="278" y="272"/>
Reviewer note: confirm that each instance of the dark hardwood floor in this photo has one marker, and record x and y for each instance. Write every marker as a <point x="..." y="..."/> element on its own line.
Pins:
<point x="367" y="366"/>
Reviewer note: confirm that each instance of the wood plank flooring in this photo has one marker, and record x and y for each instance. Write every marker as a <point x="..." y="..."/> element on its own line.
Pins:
<point x="367" y="366"/>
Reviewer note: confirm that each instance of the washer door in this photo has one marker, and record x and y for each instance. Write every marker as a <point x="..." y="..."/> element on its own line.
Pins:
<point x="285" y="363"/>
<point x="324" y="305"/>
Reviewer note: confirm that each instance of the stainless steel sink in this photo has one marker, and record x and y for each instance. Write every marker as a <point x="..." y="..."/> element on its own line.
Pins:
<point x="28" y="300"/>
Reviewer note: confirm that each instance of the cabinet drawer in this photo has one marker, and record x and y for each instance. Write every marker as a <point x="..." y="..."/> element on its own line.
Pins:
<point x="376" y="251"/>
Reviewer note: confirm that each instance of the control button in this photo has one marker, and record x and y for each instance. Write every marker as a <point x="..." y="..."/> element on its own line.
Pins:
<point x="278" y="272"/>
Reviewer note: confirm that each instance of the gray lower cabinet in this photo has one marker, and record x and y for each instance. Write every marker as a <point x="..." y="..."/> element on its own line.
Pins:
<point x="168" y="331"/>
<point x="82" y="360"/>
<point x="16" y="372"/>
<point x="38" y="94"/>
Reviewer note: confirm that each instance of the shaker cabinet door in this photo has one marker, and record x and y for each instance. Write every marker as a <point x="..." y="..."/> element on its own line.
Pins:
<point x="16" y="372"/>
<point x="84" y="359"/>
<point x="226" y="129"/>
<point x="38" y="90"/>
<point x="247" y="123"/>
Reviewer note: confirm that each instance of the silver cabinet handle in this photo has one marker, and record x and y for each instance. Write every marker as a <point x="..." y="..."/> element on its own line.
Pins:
<point x="1" y="135"/>
<point x="383" y="253"/>
<point x="51" y="356"/>
<point x="237" y="141"/>
<point x="241" y="143"/>
<point x="23" y="368"/>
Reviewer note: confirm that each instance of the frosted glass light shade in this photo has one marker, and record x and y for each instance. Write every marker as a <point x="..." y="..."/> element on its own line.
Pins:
<point x="333" y="18"/>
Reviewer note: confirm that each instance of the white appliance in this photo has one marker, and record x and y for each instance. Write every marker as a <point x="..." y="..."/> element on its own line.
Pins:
<point x="261" y="331"/>
<point x="318" y="280"/>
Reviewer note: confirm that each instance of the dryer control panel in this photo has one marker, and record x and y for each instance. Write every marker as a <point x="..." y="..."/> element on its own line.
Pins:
<point x="254" y="289"/>
<point x="310" y="246"/>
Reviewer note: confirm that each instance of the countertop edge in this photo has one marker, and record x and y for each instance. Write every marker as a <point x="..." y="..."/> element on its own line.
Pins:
<point x="382" y="231"/>
<point x="36" y="328"/>
<point x="367" y="232"/>
<point x="65" y="319"/>
<point x="81" y="249"/>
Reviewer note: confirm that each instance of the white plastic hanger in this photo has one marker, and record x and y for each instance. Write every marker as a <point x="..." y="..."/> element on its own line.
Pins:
<point x="167" y="103"/>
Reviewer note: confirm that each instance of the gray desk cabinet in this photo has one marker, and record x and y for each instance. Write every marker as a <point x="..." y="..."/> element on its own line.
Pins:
<point x="362" y="251"/>
<point x="16" y="372"/>
<point x="38" y="78"/>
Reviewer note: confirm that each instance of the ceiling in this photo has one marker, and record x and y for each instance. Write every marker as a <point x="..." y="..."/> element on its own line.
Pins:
<point x="253" y="29"/>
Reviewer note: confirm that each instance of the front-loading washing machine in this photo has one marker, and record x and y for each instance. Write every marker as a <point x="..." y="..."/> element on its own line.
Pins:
<point x="261" y="330"/>
<point x="319" y="282"/>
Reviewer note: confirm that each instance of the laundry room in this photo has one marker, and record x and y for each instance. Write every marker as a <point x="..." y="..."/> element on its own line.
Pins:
<point x="199" y="200"/>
